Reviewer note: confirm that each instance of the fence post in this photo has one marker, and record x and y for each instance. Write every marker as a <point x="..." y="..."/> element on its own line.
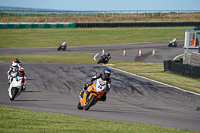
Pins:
<point x="128" y="12"/>
<point x="177" y="12"/>
<point x="153" y="14"/>
<point x="74" y="14"/>
<point x="194" y="12"/>
<point x="104" y="14"/>
<point x="120" y="13"/>
<point x="1" y="13"/>
<point x="112" y="13"/>
<point x="96" y="13"/>
<point x="82" y="14"/>
<point x="160" y="13"/>
<point x="144" y="13"/>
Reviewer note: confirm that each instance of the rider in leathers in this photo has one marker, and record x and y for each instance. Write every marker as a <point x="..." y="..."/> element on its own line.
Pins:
<point x="104" y="76"/>
<point x="15" y="63"/>
<point x="21" y="75"/>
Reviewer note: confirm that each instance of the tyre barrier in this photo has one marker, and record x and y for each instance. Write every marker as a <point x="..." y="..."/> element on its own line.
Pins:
<point x="36" y="25"/>
<point x="138" y="24"/>
<point x="176" y="67"/>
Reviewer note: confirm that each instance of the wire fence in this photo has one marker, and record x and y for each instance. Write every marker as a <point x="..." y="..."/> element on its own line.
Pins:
<point x="111" y="13"/>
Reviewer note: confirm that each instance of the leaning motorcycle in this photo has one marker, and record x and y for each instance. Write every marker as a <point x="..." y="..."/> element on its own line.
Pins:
<point x="104" y="60"/>
<point x="173" y="43"/>
<point x="92" y="95"/>
<point x="15" y="87"/>
<point x="62" y="48"/>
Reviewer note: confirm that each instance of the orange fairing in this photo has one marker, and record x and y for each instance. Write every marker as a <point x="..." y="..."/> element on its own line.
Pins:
<point x="95" y="89"/>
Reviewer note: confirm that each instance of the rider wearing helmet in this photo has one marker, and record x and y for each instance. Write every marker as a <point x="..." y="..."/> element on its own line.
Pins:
<point x="13" y="68"/>
<point x="20" y="75"/>
<point x="105" y="78"/>
<point x="106" y="56"/>
<point x="64" y="44"/>
<point x="17" y="61"/>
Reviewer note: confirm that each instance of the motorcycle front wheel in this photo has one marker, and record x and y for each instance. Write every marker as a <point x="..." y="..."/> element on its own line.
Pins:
<point x="170" y="44"/>
<point x="58" y="48"/>
<point x="14" y="92"/>
<point x="79" y="106"/>
<point x="90" y="102"/>
<point x="99" y="61"/>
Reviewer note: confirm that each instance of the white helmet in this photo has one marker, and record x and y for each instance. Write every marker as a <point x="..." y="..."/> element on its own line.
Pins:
<point x="15" y="67"/>
<point x="64" y="43"/>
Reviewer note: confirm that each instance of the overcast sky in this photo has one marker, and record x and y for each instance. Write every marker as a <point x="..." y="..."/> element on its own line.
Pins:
<point x="105" y="4"/>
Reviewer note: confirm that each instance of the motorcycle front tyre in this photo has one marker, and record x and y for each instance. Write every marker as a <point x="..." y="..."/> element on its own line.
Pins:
<point x="99" y="61"/>
<point x="14" y="92"/>
<point x="79" y="106"/>
<point x="90" y="102"/>
<point x="58" y="48"/>
<point x="170" y="44"/>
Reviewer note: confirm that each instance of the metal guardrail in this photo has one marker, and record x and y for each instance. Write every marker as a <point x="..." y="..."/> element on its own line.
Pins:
<point x="107" y="13"/>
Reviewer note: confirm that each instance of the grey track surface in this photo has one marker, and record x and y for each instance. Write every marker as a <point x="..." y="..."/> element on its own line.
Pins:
<point x="54" y="87"/>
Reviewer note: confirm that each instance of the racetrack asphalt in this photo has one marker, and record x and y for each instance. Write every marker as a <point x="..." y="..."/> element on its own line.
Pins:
<point x="54" y="87"/>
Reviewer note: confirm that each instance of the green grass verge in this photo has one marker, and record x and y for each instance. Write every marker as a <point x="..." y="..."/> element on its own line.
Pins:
<point x="27" y="38"/>
<point x="21" y="121"/>
<point x="62" y="58"/>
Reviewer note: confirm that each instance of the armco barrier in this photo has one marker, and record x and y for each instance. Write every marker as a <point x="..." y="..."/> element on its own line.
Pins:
<point x="36" y="25"/>
<point x="137" y="24"/>
<point x="176" y="67"/>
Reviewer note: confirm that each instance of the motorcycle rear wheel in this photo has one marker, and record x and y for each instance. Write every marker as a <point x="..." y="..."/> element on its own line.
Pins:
<point x="90" y="102"/>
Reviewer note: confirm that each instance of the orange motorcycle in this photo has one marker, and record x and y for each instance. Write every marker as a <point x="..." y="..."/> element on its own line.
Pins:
<point x="92" y="95"/>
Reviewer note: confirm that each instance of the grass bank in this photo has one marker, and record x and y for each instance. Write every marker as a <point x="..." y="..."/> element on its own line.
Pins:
<point x="28" y="38"/>
<point x="20" y="120"/>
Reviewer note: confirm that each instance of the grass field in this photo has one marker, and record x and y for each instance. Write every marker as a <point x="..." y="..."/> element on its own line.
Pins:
<point x="20" y="120"/>
<point x="27" y="38"/>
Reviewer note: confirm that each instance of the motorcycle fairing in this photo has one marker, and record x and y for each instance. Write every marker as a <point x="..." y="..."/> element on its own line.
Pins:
<point x="98" y="88"/>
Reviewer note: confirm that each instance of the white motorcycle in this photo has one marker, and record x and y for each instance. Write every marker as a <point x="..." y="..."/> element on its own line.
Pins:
<point x="173" y="43"/>
<point x="15" y="87"/>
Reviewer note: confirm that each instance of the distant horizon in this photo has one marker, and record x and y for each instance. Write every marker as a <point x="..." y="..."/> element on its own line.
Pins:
<point x="92" y="5"/>
<point x="82" y="10"/>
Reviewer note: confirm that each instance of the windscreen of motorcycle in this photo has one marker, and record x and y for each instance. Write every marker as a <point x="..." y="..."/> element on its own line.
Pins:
<point x="100" y="85"/>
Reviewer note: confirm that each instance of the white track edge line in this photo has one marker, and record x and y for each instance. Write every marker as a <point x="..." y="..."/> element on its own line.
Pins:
<point x="155" y="81"/>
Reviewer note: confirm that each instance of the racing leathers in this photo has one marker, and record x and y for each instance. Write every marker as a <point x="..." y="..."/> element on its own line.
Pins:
<point x="98" y="76"/>
<point x="23" y="77"/>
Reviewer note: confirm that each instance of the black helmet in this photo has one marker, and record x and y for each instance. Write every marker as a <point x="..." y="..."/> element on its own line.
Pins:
<point x="108" y="54"/>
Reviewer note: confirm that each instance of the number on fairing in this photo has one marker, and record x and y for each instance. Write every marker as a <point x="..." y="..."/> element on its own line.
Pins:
<point x="100" y="87"/>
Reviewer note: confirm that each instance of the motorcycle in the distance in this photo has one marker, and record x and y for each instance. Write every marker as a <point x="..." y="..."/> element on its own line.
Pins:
<point x="173" y="43"/>
<point x="62" y="46"/>
<point x="15" y="87"/>
<point x="92" y="95"/>
<point x="104" y="59"/>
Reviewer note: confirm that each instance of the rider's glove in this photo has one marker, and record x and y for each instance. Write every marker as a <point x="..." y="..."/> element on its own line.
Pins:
<point x="86" y="86"/>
